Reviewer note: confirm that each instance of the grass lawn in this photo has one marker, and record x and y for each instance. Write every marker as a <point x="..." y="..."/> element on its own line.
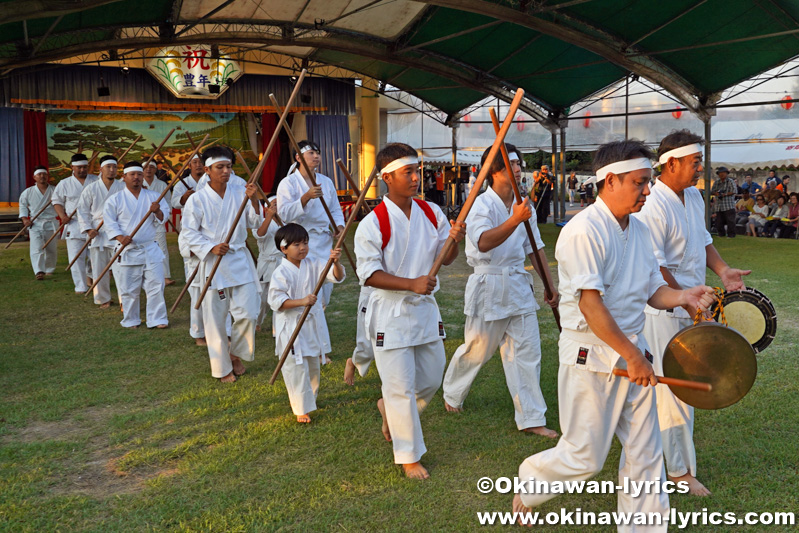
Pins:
<point x="104" y="429"/>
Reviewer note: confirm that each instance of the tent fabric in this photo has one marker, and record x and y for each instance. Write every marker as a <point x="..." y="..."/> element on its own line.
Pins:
<point x="12" y="154"/>
<point x="35" y="132"/>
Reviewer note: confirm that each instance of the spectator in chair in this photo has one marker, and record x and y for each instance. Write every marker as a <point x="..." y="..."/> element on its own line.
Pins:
<point x="778" y="212"/>
<point x="743" y="208"/>
<point x="757" y="220"/>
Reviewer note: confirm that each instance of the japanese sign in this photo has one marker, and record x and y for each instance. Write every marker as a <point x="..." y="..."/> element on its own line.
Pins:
<point x="192" y="72"/>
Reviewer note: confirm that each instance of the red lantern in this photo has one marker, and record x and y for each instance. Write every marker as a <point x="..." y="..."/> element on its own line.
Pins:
<point x="586" y="120"/>
<point x="467" y="119"/>
<point x="786" y="104"/>
<point x="519" y="123"/>
<point x="677" y="113"/>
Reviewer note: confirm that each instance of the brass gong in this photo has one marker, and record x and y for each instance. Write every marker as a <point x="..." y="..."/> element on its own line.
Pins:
<point x="710" y="352"/>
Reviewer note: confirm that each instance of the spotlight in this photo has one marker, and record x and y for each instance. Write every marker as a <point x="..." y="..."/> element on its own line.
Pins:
<point x="213" y="88"/>
<point x="293" y="79"/>
<point x="103" y="91"/>
<point x="229" y="82"/>
<point x="124" y="70"/>
<point x="305" y="98"/>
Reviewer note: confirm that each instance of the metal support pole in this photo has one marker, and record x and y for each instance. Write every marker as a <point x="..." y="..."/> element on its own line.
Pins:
<point x="627" y="109"/>
<point x="562" y="174"/>
<point x="424" y="183"/>
<point x="554" y="168"/>
<point x="707" y="173"/>
<point x="454" y="167"/>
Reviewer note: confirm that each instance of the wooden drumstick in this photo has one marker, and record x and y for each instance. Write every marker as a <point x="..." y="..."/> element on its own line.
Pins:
<point x="687" y="384"/>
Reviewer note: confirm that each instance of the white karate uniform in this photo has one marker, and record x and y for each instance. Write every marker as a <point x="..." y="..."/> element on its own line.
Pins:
<point x="269" y="258"/>
<point x="594" y="253"/>
<point x="66" y="194"/>
<point x="233" y="180"/>
<point x="301" y="368"/>
<point x="500" y="310"/>
<point x="679" y="239"/>
<point x="207" y="218"/>
<point x="140" y="265"/>
<point x="31" y="201"/>
<point x="312" y="217"/>
<point x="405" y="328"/>
<point x="160" y="225"/>
<point x="363" y="354"/>
<point x="90" y="215"/>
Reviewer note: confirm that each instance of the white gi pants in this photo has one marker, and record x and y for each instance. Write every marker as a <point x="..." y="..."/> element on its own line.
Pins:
<point x="265" y="307"/>
<point x="242" y="302"/>
<point x="594" y="406"/>
<point x="520" y="349"/>
<point x="160" y="238"/>
<point x="99" y="259"/>
<point x="675" y="416"/>
<point x="196" y="325"/>
<point x="410" y="377"/>
<point x="43" y="260"/>
<point x="130" y="280"/>
<point x="363" y="354"/>
<point x="80" y="270"/>
<point x="302" y="383"/>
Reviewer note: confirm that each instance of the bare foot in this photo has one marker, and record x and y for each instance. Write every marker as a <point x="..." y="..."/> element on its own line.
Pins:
<point x="543" y="431"/>
<point x="238" y="366"/>
<point x="133" y="327"/>
<point x="694" y="486"/>
<point x="200" y="342"/>
<point x="106" y="305"/>
<point x="303" y="419"/>
<point x="519" y="508"/>
<point x="451" y="409"/>
<point x="349" y="372"/>
<point x="169" y="282"/>
<point x="162" y="326"/>
<point x="326" y="360"/>
<point x="415" y="471"/>
<point x="257" y="329"/>
<point x="230" y="378"/>
<point x="382" y="409"/>
<point x="39" y="276"/>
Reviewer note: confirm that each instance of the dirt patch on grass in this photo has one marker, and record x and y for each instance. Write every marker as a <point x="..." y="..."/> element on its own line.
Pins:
<point x="78" y="426"/>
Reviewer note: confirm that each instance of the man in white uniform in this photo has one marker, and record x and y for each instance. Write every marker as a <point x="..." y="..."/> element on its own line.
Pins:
<point x="607" y="274"/>
<point x="269" y="256"/>
<point x="65" y="200"/>
<point x="90" y="216"/>
<point x="499" y="303"/>
<point x="675" y="216"/>
<point x="31" y="202"/>
<point x="152" y="183"/>
<point x="207" y="219"/>
<point x="396" y="245"/>
<point x="140" y="266"/>
<point x="300" y="202"/>
<point x="180" y="193"/>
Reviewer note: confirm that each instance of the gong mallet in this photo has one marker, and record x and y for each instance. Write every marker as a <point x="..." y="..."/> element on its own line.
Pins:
<point x="312" y="177"/>
<point x="322" y="277"/>
<point x="672" y="382"/>
<point x="256" y="173"/>
<point x="26" y="227"/>
<point x="143" y="220"/>
<point x="548" y="292"/>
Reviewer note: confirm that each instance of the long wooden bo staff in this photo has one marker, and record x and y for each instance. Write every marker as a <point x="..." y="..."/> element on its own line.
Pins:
<point x="544" y="272"/>
<point x="255" y="174"/>
<point x="26" y="227"/>
<point x="100" y="225"/>
<point x="351" y="181"/>
<point x="144" y="218"/>
<point x="323" y="276"/>
<point x="312" y="177"/>
<point x="675" y="382"/>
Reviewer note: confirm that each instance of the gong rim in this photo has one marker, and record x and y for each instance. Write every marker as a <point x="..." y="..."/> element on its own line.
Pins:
<point x="754" y="301"/>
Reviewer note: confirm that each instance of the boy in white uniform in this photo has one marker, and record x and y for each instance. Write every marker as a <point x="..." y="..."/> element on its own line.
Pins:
<point x="65" y="201"/>
<point x="31" y="201"/>
<point x="207" y="219"/>
<point x="607" y="274"/>
<point x="290" y="291"/>
<point x="675" y="216"/>
<point x="396" y="245"/>
<point x="140" y="265"/>
<point x="363" y="354"/>
<point x="90" y="216"/>
<point x="499" y="303"/>
<point x="269" y="256"/>
<point x="152" y="183"/>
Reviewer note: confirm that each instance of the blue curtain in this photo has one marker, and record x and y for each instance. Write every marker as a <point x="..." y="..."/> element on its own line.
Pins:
<point x="12" y="154"/>
<point x="330" y="132"/>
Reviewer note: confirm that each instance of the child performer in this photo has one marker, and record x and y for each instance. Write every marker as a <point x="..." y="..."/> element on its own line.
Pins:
<point x="396" y="245"/>
<point x="269" y="256"/>
<point x="291" y="290"/>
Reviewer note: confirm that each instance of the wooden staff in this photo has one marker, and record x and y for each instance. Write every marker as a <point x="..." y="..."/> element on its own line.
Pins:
<point x="351" y="181"/>
<point x="311" y="176"/>
<point x="249" y="174"/>
<point x="687" y="384"/>
<point x="85" y="245"/>
<point x="120" y="158"/>
<point x="256" y="173"/>
<point x="26" y="227"/>
<point x="307" y="310"/>
<point x="53" y="236"/>
<point x="141" y="223"/>
<point x="467" y="205"/>
<point x="168" y="135"/>
<point x="168" y="164"/>
<point x="548" y="290"/>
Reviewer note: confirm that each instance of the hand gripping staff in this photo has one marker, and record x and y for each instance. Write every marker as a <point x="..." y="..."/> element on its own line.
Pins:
<point x="26" y="227"/>
<point x="544" y="277"/>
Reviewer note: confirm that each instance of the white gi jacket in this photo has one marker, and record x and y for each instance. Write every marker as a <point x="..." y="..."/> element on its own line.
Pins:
<point x="500" y="286"/>
<point x="594" y="253"/>
<point x="159" y="186"/>
<point x="122" y="213"/>
<point x="31" y="202"/>
<point x="678" y="236"/>
<point x="399" y="319"/>
<point x="179" y="190"/>
<point x="234" y="180"/>
<point x="90" y="210"/>
<point x="312" y="217"/>
<point x="292" y="283"/>
<point x="67" y="194"/>
<point x="207" y="219"/>
<point x="268" y="255"/>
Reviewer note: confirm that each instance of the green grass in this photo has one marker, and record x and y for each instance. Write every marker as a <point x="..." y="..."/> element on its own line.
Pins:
<point x="104" y="429"/>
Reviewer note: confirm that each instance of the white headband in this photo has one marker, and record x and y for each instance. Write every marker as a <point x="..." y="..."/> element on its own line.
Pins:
<point x="40" y="171"/>
<point x="284" y="244"/>
<point x="81" y="163"/>
<point x="308" y="147"/>
<point x="152" y="164"/>
<point x="211" y="160"/>
<point x="108" y="162"/>
<point x="196" y="156"/>
<point x="133" y="169"/>
<point x="621" y="167"/>
<point x="682" y="151"/>
<point x="513" y="157"/>
<point x="399" y="163"/>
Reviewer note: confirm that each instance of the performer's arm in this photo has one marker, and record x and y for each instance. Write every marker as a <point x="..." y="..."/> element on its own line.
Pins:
<point x="269" y="213"/>
<point x="730" y="277"/>
<point x="338" y="268"/>
<point x="546" y="277"/>
<point x="456" y="233"/>
<point x="492" y="238"/>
